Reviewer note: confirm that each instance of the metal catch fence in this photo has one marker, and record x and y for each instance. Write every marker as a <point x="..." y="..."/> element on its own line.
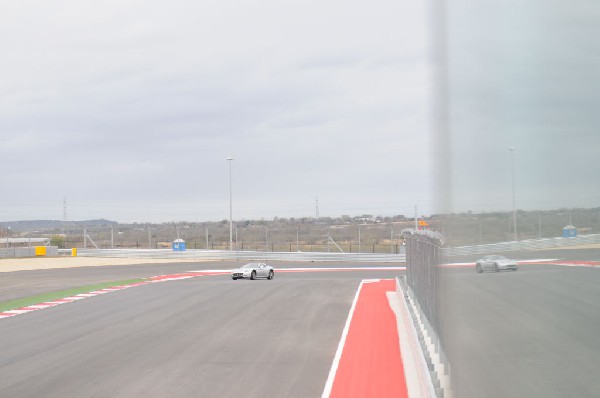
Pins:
<point x="530" y="244"/>
<point x="243" y="255"/>
<point x="422" y="271"/>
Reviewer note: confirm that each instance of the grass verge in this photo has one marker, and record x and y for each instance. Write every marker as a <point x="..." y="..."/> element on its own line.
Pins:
<point x="41" y="298"/>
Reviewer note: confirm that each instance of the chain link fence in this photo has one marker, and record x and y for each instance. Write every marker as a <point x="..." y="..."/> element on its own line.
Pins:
<point x="422" y="271"/>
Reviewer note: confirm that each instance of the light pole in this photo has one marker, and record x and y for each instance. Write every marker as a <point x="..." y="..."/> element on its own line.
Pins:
<point x="512" y="165"/>
<point x="266" y="239"/>
<point x="230" y="159"/>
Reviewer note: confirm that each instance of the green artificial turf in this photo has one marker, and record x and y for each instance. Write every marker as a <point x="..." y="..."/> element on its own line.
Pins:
<point x="42" y="298"/>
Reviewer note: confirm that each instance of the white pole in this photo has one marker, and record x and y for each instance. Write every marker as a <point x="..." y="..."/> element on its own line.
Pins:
<point x="297" y="240"/>
<point x="149" y="238"/>
<point x="266" y="240"/>
<point x="392" y="240"/>
<point x="84" y="238"/>
<point x="112" y="237"/>
<point x="236" y="240"/>
<point x="512" y="163"/>
<point x="206" y="237"/>
<point x="359" y="239"/>
<point x="230" y="159"/>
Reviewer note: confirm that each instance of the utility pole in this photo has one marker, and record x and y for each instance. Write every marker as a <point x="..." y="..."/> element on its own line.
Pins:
<point x="317" y="210"/>
<point x="230" y="159"/>
<point x="416" y="219"/>
<point x="149" y="238"/>
<point x="206" y="237"/>
<point x="64" y="225"/>
<point x="512" y="163"/>
<point x="112" y="237"/>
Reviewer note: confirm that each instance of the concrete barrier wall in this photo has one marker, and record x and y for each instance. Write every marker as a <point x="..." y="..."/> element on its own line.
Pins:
<point x="22" y="252"/>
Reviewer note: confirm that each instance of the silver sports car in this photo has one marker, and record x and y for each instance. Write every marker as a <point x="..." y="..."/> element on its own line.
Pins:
<point x="495" y="263"/>
<point x="253" y="271"/>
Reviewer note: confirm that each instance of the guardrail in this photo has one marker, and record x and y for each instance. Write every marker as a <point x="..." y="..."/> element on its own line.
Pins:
<point x="242" y="255"/>
<point x="530" y="244"/>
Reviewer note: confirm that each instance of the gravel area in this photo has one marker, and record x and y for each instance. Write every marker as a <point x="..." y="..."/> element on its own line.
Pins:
<point x="41" y="263"/>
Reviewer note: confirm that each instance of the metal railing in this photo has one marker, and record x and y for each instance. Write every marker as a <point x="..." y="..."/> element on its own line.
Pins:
<point x="530" y="244"/>
<point x="242" y="255"/>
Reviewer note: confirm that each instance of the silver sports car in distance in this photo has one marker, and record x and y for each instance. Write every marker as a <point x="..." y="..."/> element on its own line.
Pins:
<point x="253" y="271"/>
<point x="495" y="263"/>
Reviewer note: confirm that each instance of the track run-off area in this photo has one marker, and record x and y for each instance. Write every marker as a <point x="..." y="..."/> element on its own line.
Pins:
<point x="315" y="330"/>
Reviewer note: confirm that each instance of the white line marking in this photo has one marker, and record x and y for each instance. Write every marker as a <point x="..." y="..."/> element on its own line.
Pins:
<point x="472" y="264"/>
<point x="17" y="312"/>
<point x="338" y="353"/>
<point x="226" y="271"/>
<point x="171" y="279"/>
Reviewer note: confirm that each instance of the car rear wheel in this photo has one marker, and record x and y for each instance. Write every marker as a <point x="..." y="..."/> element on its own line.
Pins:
<point x="271" y="274"/>
<point x="235" y="279"/>
<point x="253" y="275"/>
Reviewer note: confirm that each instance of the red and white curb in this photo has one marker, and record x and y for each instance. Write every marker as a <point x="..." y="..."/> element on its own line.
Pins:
<point x="81" y="296"/>
<point x="368" y="361"/>
<point x="167" y="278"/>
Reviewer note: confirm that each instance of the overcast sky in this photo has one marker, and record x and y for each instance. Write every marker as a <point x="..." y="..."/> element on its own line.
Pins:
<point x="129" y="109"/>
<point x="524" y="74"/>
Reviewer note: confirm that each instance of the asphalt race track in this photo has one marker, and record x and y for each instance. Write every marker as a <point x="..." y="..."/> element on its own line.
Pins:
<point x="530" y="333"/>
<point x="207" y="336"/>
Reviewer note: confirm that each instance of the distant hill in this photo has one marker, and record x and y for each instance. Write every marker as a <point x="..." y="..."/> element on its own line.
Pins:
<point x="31" y="225"/>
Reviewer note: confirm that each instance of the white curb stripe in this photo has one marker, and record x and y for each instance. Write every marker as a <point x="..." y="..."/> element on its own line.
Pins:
<point x="338" y="353"/>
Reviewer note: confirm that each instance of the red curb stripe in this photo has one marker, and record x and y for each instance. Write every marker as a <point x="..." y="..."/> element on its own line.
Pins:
<point x="371" y="362"/>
